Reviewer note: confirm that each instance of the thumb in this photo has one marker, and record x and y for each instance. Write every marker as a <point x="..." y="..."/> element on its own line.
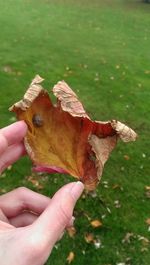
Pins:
<point x="55" y="218"/>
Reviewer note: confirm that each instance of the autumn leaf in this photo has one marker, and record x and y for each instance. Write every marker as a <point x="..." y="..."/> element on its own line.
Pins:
<point x="116" y="186"/>
<point x="128" y="237"/>
<point x="148" y="221"/>
<point x="89" y="238"/>
<point x="71" y="231"/>
<point x="147" y="188"/>
<point x="35" y="182"/>
<point x="70" y="257"/>
<point x="62" y="138"/>
<point x="126" y="157"/>
<point x="96" y="223"/>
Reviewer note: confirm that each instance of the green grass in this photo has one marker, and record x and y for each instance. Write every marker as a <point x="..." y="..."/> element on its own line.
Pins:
<point x="102" y="49"/>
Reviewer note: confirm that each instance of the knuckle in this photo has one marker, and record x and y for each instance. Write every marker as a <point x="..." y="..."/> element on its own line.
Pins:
<point x="22" y="193"/>
<point x="21" y="190"/>
<point x="3" y="164"/>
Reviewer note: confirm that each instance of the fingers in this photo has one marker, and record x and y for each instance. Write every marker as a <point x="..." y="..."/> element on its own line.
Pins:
<point x="12" y="134"/>
<point x="3" y="143"/>
<point x="3" y="217"/>
<point x="54" y="219"/>
<point x="11" y="155"/>
<point x="23" y="219"/>
<point x="17" y="201"/>
<point x="5" y="226"/>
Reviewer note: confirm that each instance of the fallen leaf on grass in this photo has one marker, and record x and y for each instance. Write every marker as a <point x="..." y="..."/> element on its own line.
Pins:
<point x="144" y="249"/>
<point x="147" y="194"/>
<point x="147" y="72"/>
<point x="147" y="188"/>
<point x="126" y="157"/>
<point x="62" y="138"/>
<point x="148" y="221"/>
<point x="89" y="238"/>
<point x="117" y="204"/>
<point x="71" y="231"/>
<point x="116" y="186"/>
<point x="70" y="257"/>
<point x="3" y="191"/>
<point x="96" y="223"/>
<point x="9" y="167"/>
<point x="35" y="182"/>
<point x="145" y="241"/>
<point x="97" y="243"/>
<point x="128" y="237"/>
<point x="8" y="69"/>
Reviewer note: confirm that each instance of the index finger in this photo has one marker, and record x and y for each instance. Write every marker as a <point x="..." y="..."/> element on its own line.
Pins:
<point x="12" y="134"/>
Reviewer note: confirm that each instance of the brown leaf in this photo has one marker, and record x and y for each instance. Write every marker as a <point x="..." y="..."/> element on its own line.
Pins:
<point x="128" y="237"/>
<point x="9" y="167"/>
<point x="147" y="188"/>
<point x="116" y="186"/>
<point x="147" y="193"/>
<point x="126" y="157"/>
<point x="70" y="257"/>
<point x="71" y="231"/>
<point x="96" y="223"/>
<point x="62" y="138"/>
<point x="148" y="221"/>
<point x="89" y="238"/>
<point x="35" y="182"/>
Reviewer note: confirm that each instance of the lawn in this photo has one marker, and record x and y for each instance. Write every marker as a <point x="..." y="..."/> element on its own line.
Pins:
<point x="102" y="50"/>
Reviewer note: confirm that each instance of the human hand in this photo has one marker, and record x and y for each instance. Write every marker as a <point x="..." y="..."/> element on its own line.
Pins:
<point x="11" y="146"/>
<point x="30" y="223"/>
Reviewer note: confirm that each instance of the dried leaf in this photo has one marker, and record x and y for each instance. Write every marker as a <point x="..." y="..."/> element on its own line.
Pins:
<point x="125" y="133"/>
<point x="9" y="167"/>
<point x="126" y="157"/>
<point x="147" y="194"/>
<point x="70" y="257"/>
<point x="145" y="241"/>
<point x="62" y="138"/>
<point x="89" y="238"/>
<point x="127" y="238"/>
<point x="3" y="191"/>
<point x="35" y="182"/>
<point x="117" y="204"/>
<point x="148" y="221"/>
<point x="96" y="223"/>
<point x="116" y="186"/>
<point x="71" y="231"/>
<point x="147" y="188"/>
<point x="97" y="243"/>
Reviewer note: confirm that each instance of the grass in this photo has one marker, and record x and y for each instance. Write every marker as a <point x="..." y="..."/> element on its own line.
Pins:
<point x="102" y="50"/>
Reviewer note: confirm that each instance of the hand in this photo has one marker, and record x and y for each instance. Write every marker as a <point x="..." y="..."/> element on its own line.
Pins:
<point x="30" y="223"/>
<point x="11" y="146"/>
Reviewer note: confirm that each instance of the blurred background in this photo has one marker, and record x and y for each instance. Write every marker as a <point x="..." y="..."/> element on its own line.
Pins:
<point x="102" y="50"/>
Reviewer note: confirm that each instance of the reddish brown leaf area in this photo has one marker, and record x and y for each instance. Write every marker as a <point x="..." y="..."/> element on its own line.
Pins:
<point x="62" y="138"/>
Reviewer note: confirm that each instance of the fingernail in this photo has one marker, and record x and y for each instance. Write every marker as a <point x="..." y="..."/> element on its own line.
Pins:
<point x="77" y="190"/>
